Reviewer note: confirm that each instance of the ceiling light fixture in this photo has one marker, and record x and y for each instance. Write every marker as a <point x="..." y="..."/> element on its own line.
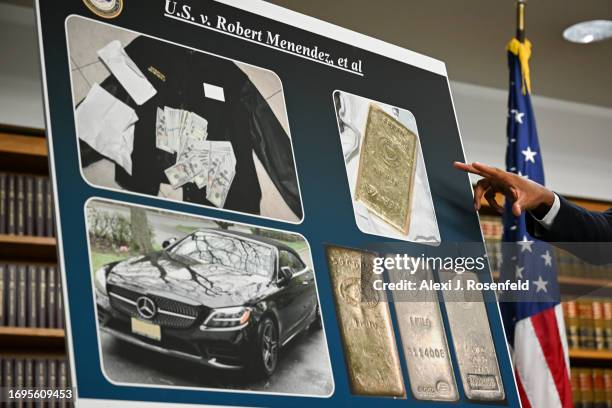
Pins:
<point x="589" y="31"/>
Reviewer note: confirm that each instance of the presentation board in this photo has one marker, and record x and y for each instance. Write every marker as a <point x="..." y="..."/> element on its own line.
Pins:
<point x="227" y="176"/>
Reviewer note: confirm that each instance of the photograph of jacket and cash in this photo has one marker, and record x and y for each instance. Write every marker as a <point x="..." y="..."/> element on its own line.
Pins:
<point x="385" y="169"/>
<point x="163" y="120"/>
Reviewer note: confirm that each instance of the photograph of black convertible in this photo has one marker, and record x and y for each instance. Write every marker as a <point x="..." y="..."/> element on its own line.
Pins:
<point x="234" y="306"/>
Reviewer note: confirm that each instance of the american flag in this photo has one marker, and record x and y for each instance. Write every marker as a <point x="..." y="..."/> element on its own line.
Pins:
<point x="534" y="322"/>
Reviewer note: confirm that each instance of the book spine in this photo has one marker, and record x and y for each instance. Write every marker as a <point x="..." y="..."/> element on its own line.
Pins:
<point x="608" y="386"/>
<point x="33" y="305"/>
<point x="63" y="381"/>
<point x="2" y="203"/>
<point x="7" y="371"/>
<point x="22" y="300"/>
<point x="41" y="373"/>
<point x="29" y="205"/>
<point x="587" y="328"/>
<point x="10" y="204"/>
<point x="42" y="297"/>
<point x="51" y="292"/>
<point x="563" y="263"/>
<point x="2" y="295"/>
<point x="19" y="378"/>
<point x="12" y="296"/>
<point x="599" y="325"/>
<point x="575" y="383"/>
<point x="572" y="323"/>
<point x="52" y="379"/>
<point x="60" y="300"/>
<point x="585" y="378"/>
<point x="49" y="209"/>
<point x="599" y="388"/>
<point x="29" y="378"/>
<point x="20" y="205"/>
<point x="40" y="206"/>
<point x="607" y="309"/>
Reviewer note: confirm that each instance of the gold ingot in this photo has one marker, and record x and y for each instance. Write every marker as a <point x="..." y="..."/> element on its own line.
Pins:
<point x="387" y="164"/>
<point x="365" y="325"/>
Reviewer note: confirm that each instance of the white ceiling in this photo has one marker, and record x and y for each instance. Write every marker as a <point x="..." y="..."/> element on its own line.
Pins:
<point x="471" y="35"/>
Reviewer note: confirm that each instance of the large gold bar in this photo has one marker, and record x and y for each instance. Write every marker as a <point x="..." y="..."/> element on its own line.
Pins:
<point x="424" y="339"/>
<point x="365" y="325"/>
<point x="386" y="168"/>
<point x="471" y="332"/>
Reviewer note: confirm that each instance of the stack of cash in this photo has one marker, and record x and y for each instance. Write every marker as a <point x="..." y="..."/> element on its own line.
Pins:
<point x="209" y="164"/>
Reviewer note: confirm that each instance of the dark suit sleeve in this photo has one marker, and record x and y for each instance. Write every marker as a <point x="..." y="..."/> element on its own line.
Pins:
<point x="272" y="146"/>
<point x="587" y="234"/>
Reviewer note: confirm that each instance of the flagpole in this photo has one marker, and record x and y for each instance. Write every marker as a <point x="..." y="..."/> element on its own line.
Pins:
<point x="520" y="20"/>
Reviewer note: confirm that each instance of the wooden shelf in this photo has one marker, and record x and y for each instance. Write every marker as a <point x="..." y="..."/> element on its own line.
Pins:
<point x="586" y="354"/>
<point x="31" y="338"/>
<point x="576" y="280"/>
<point x="36" y="332"/>
<point x="26" y="145"/>
<point x="28" y="247"/>
<point x="23" y="153"/>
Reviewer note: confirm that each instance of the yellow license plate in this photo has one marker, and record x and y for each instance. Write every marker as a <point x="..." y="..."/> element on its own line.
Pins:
<point x="150" y="330"/>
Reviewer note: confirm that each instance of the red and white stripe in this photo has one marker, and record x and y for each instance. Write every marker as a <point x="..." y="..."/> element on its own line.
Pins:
<point x="541" y="360"/>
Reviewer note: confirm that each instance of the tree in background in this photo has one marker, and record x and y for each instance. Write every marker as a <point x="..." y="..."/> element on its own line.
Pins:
<point x="141" y="232"/>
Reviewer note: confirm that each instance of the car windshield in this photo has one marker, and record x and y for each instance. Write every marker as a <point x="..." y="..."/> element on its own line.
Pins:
<point x="246" y="256"/>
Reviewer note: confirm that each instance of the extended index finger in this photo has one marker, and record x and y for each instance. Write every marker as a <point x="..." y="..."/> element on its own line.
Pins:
<point x="467" y="168"/>
<point x="488" y="171"/>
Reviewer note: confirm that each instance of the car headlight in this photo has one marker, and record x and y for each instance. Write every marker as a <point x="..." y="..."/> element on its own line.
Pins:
<point x="227" y="318"/>
<point x="100" y="281"/>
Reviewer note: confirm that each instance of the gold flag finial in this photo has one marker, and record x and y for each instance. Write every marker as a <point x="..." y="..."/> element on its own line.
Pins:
<point x="520" y="46"/>
<point x="520" y="20"/>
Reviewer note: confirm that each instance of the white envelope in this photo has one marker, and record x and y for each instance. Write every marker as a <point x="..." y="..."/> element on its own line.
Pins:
<point x="107" y="125"/>
<point x="126" y="72"/>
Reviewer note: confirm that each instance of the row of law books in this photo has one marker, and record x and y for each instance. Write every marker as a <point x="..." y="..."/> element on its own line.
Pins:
<point x="571" y="265"/>
<point x="26" y="205"/>
<point x="566" y="263"/>
<point x="43" y="374"/>
<point x="588" y="323"/>
<point x="30" y="296"/>
<point x="591" y="388"/>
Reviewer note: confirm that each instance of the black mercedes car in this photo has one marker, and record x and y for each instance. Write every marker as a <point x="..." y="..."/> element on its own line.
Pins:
<point x="222" y="298"/>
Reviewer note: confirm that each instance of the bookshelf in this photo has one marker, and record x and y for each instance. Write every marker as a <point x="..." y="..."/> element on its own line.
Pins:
<point x="13" y="143"/>
<point x="25" y="151"/>
<point x="25" y="338"/>
<point x="27" y="247"/>
<point x="591" y="355"/>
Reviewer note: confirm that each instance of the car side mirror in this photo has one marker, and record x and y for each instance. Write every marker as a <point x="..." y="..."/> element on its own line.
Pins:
<point x="168" y="242"/>
<point x="284" y="276"/>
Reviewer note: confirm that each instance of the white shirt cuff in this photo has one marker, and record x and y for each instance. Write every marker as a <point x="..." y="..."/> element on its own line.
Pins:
<point x="549" y="218"/>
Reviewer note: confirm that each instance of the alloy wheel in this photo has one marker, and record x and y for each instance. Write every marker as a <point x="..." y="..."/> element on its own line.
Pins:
<point x="269" y="346"/>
